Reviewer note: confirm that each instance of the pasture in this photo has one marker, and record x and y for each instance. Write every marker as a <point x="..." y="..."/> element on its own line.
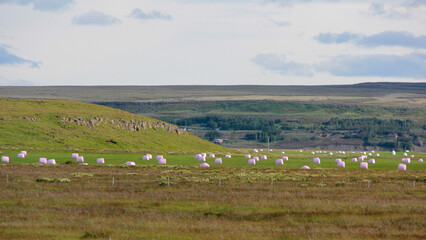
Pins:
<point x="386" y="161"/>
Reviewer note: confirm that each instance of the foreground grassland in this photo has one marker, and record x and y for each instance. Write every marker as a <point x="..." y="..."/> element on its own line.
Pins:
<point x="80" y="202"/>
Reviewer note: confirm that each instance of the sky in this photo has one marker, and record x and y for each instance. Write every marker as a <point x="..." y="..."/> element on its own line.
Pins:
<point x="211" y="42"/>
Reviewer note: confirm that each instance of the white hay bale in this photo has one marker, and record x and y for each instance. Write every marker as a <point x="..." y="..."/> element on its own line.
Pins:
<point x="420" y="159"/>
<point x="317" y="161"/>
<point x="84" y="164"/>
<point x="338" y="160"/>
<point x="74" y="155"/>
<point x="150" y="156"/>
<point x="218" y="161"/>
<point x="252" y="161"/>
<point x="363" y="165"/>
<point x="331" y="154"/>
<point x="372" y="161"/>
<point x="5" y="159"/>
<point x="405" y="154"/>
<point x="377" y="155"/>
<point x="313" y="153"/>
<point x="256" y="158"/>
<point x="341" y="164"/>
<point x="354" y="160"/>
<point x="369" y="154"/>
<point x="146" y="157"/>
<point x="282" y="152"/>
<point x="212" y="155"/>
<point x="263" y="157"/>
<point x="100" y="161"/>
<point x="247" y="156"/>
<point x="402" y="167"/>
<point x="364" y="153"/>
<point x="407" y="150"/>
<point x="255" y="150"/>
<point x="159" y="157"/>
<point x="305" y="167"/>
<point x="393" y="153"/>
<point x="204" y="164"/>
<point x="51" y="161"/>
<point x="279" y="162"/>
<point x="24" y="152"/>
<point x="285" y="158"/>
<point x="162" y="161"/>
<point x="80" y="159"/>
<point x="131" y="163"/>
<point x="21" y="155"/>
<point x="343" y="152"/>
<point x="373" y="151"/>
<point x="227" y="156"/>
<point x="42" y="160"/>
<point x="300" y="150"/>
<point x="204" y="154"/>
<point x="202" y="159"/>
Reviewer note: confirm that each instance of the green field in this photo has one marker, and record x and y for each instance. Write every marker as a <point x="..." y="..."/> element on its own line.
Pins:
<point x="296" y="159"/>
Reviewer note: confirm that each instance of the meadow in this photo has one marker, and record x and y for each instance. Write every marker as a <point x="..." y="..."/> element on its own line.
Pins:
<point x="70" y="201"/>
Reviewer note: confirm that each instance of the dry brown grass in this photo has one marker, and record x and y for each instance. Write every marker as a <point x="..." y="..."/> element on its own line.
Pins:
<point x="140" y="205"/>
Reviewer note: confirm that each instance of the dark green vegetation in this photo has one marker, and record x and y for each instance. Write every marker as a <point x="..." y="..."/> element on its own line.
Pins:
<point x="141" y="204"/>
<point x="386" y="161"/>
<point x="67" y="125"/>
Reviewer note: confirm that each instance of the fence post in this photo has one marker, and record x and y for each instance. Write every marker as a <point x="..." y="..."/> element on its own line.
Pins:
<point x="368" y="184"/>
<point x="112" y="181"/>
<point x="168" y="181"/>
<point x="322" y="183"/>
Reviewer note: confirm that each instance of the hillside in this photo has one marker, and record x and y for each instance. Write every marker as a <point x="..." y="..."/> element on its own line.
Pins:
<point x="68" y="125"/>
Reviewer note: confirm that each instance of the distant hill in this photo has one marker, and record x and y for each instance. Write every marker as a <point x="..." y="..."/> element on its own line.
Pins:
<point x="68" y="125"/>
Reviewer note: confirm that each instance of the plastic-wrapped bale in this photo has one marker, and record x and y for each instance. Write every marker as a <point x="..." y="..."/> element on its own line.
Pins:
<point x="317" y="161"/>
<point x="247" y="156"/>
<point x="84" y="164"/>
<point x="285" y="158"/>
<point x="377" y="155"/>
<point x="204" y="164"/>
<point x="282" y="152"/>
<point x="369" y="154"/>
<point x="24" y="152"/>
<point x="255" y="150"/>
<point x="218" y="161"/>
<point x="159" y="157"/>
<point x="341" y="164"/>
<point x="100" y="161"/>
<point x="372" y="161"/>
<point x="405" y="154"/>
<point x="300" y="150"/>
<point x="212" y="155"/>
<point x="412" y="156"/>
<point x="80" y="159"/>
<point x="204" y="154"/>
<point x="202" y="159"/>
<point x="420" y="159"/>
<point x="331" y="154"/>
<point x="354" y="160"/>
<point x="279" y="162"/>
<point x="150" y="156"/>
<point x="51" y="161"/>
<point x="227" y="156"/>
<point x="364" y="153"/>
<point x="338" y="160"/>
<point x="21" y="155"/>
<point x="252" y="161"/>
<point x="131" y="163"/>
<point x="393" y="153"/>
<point x="402" y="167"/>
<point x="263" y="157"/>
<point x="313" y="153"/>
<point x="5" y="159"/>
<point x="197" y="156"/>
<point x="162" y="161"/>
<point x="256" y="158"/>
<point x="146" y="157"/>
<point x="305" y="167"/>
<point x="363" y="165"/>
<point x="261" y="150"/>
<point x="74" y="155"/>
<point x="343" y="152"/>
<point x="407" y="160"/>
<point x="42" y="160"/>
<point x="407" y="151"/>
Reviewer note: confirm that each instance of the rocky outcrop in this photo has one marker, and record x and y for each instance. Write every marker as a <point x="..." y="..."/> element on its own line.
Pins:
<point x="128" y="124"/>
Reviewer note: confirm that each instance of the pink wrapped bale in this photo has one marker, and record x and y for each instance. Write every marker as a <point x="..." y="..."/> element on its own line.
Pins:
<point x="131" y="163"/>
<point x="218" y="161"/>
<point x="412" y="156"/>
<point x="285" y="158"/>
<point x="338" y="160"/>
<point x="372" y="161"/>
<point x="405" y="154"/>
<point x="420" y="159"/>
<point x="197" y="156"/>
<point x="159" y="157"/>
<point x="74" y="155"/>
<point x="256" y="158"/>
<point x="402" y="167"/>
<point x="212" y="155"/>
<point x="42" y="160"/>
<point x="202" y="159"/>
<point x="21" y="155"/>
<point x="279" y="162"/>
<point x="4" y="159"/>
<point x="146" y="157"/>
<point x="149" y="155"/>
<point x="317" y="161"/>
<point x="227" y="156"/>
<point x="363" y="165"/>
<point x="305" y="167"/>
<point x="406" y="160"/>
<point x="51" y="161"/>
<point x="204" y="164"/>
<point x="24" y="152"/>
<point x="263" y="157"/>
<point x="162" y="161"/>
<point x="100" y="161"/>
<point x="80" y="159"/>
<point x="341" y="164"/>
<point x="252" y="162"/>
<point x="84" y="164"/>
<point x="204" y="154"/>
<point x="248" y="156"/>
<point x="354" y="159"/>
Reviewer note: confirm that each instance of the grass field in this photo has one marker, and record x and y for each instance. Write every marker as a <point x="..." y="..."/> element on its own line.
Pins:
<point x="70" y="201"/>
<point x="296" y="159"/>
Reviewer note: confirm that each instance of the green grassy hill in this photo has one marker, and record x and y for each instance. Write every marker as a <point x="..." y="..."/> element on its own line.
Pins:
<point x="68" y="125"/>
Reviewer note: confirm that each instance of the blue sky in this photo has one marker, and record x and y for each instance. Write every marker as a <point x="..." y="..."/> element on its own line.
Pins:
<point x="179" y="42"/>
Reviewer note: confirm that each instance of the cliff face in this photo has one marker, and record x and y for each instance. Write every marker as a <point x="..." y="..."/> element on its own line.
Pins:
<point x="127" y="124"/>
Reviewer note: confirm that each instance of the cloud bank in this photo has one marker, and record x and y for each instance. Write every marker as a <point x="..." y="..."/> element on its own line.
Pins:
<point x="139" y="14"/>
<point x="95" y="18"/>
<point x="7" y="58"/>
<point x="42" y="5"/>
